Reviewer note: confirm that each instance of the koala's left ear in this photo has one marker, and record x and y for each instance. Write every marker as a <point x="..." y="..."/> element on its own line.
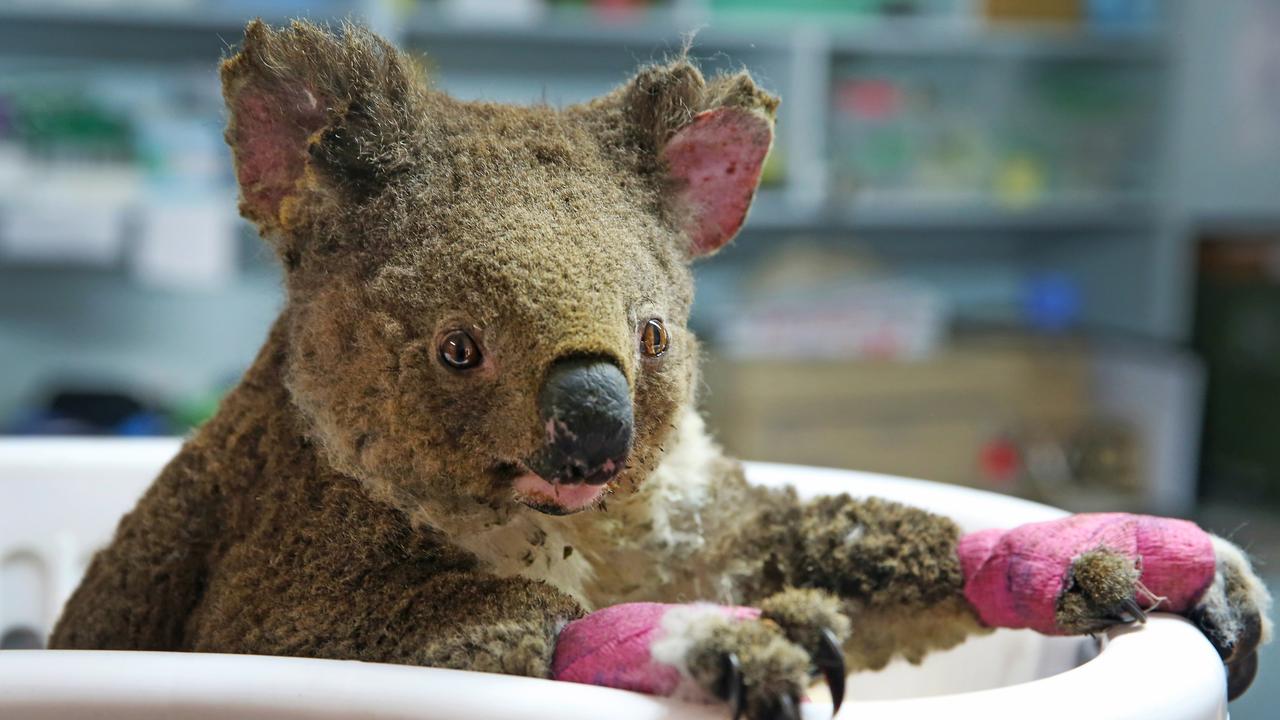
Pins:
<point x="706" y="142"/>
<point x="314" y="111"/>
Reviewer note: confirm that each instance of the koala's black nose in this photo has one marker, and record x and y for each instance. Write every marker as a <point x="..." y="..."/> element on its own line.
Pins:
<point x="585" y="406"/>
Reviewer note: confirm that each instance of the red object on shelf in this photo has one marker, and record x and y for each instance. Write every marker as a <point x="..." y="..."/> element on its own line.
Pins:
<point x="870" y="99"/>
<point x="619" y="11"/>
<point x="1000" y="462"/>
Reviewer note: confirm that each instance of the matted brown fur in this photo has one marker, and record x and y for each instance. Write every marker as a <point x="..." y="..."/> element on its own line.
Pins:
<point x="352" y="497"/>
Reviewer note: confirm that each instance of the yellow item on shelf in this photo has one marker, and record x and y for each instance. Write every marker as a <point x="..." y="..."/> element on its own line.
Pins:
<point x="1020" y="182"/>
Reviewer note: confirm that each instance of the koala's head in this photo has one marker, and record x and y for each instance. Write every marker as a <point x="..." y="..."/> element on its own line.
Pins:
<point x="487" y="304"/>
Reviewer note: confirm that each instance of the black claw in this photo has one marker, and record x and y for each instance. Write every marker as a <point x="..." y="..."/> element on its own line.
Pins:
<point x="788" y="709"/>
<point x="1135" y="610"/>
<point x="829" y="659"/>
<point x="1240" y="675"/>
<point x="734" y="691"/>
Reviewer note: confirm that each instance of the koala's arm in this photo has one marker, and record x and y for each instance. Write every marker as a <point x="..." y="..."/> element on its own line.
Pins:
<point x="911" y="583"/>
<point x="411" y="604"/>
<point x="464" y="620"/>
<point x="894" y="567"/>
<point x="139" y="591"/>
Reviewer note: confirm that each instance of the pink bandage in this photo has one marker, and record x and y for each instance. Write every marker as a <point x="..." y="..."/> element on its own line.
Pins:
<point x="611" y="647"/>
<point x="1013" y="578"/>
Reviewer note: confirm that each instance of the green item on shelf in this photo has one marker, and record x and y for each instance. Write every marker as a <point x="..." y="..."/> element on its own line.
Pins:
<point x="1086" y="92"/>
<point x="71" y="125"/>
<point x="192" y="412"/>
<point x="888" y="151"/>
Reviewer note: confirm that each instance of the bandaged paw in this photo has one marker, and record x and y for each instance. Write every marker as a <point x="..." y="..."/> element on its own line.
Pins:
<point x="759" y="661"/>
<point x="1084" y="573"/>
<point x="637" y="646"/>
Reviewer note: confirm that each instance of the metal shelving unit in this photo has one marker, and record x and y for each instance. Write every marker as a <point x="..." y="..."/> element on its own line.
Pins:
<point x="579" y="55"/>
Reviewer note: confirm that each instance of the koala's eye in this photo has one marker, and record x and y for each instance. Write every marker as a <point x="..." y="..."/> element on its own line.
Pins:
<point x="653" y="338"/>
<point x="458" y="351"/>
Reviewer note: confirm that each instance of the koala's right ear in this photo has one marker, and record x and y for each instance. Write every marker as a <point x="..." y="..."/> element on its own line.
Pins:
<point x="313" y="113"/>
<point x="705" y="141"/>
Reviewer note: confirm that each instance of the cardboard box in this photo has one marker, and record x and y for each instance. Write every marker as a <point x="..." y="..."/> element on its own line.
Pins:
<point x="960" y="417"/>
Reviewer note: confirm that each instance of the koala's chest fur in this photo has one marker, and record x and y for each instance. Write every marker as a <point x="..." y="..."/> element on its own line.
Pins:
<point x="635" y="548"/>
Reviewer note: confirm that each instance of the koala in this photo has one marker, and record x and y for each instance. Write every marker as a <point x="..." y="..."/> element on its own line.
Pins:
<point x="473" y="424"/>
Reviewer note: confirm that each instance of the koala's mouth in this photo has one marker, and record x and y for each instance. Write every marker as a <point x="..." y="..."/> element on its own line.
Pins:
<point x="532" y="490"/>
<point x="552" y="498"/>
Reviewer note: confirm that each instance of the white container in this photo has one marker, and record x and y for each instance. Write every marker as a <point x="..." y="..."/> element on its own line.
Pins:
<point x="60" y="499"/>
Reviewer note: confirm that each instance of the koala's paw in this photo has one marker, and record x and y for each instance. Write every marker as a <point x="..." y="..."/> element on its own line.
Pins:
<point x="1233" y="614"/>
<point x="1104" y="588"/>
<point x="759" y="660"/>
<point x="1085" y="573"/>
<point x="1101" y="589"/>
<point x="762" y="666"/>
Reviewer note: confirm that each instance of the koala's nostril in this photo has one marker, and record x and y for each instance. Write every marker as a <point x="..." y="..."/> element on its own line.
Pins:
<point x="585" y="407"/>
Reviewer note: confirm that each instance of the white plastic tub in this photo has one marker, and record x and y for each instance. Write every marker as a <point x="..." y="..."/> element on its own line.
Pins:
<point x="60" y="499"/>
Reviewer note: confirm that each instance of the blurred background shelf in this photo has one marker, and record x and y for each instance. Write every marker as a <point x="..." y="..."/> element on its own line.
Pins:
<point x="942" y="167"/>
<point x="647" y="27"/>
<point x="157" y="17"/>
<point x="664" y="29"/>
<point x="1018" y="42"/>
<point x="773" y="214"/>
<point x="914" y="130"/>
<point x="1046" y="217"/>
<point x="123" y="31"/>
